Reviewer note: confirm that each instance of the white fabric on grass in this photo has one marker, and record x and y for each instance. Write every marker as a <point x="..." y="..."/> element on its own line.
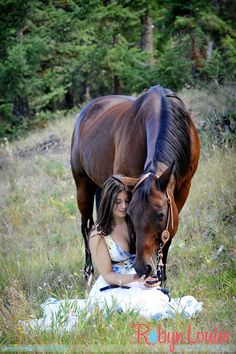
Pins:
<point x="150" y="303"/>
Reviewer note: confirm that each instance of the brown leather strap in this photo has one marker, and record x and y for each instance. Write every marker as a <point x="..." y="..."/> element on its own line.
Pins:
<point x="166" y="234"/>
<point x="170" y="212"/>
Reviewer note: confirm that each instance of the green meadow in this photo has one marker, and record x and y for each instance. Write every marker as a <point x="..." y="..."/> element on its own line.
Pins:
<point x="41" y="253"/>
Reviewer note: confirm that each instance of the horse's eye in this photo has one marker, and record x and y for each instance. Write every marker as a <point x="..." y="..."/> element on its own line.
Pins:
<point x="160" y="216"/>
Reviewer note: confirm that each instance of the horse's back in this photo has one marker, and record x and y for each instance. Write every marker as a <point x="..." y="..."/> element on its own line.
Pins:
<point x="94" y="135"/>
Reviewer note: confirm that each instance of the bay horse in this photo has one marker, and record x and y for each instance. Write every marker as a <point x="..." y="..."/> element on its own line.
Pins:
<point x="151" y="145"/>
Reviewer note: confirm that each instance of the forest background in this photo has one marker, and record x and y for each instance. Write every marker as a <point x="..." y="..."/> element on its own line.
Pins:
<point x="55" y="55"/>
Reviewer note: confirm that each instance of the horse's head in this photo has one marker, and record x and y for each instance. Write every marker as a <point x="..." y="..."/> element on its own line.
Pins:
<point x="152" y="210"/>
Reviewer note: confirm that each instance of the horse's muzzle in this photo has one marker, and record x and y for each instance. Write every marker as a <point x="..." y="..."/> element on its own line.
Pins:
<point x="145" y="269"/>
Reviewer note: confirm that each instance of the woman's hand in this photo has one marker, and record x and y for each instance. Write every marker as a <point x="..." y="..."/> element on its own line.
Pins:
<point x="144" y="280"/>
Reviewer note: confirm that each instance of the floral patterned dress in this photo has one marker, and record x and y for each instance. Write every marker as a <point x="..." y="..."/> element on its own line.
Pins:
<point x="122" y="261"/>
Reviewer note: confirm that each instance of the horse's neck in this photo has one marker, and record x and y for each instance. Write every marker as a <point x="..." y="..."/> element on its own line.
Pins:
<point x="152" y="105"/>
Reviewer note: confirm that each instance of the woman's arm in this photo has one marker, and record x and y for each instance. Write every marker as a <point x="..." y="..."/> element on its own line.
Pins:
<point x="102" y="260"/>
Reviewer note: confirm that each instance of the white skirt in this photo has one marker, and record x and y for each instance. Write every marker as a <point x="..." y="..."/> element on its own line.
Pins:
<point x="64" y="315"/>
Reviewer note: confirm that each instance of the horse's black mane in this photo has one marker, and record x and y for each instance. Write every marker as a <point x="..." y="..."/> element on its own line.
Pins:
<point x="173" y="139"/>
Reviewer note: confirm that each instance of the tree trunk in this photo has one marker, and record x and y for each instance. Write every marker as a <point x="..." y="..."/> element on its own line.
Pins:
<point x="146" y="32"/>
<point x="209" y="49"/>
<point x="116" y="81"/>
<point x="117" y="88"/>
<point x="20" y="107"/>
<point x="87" y="96"/>
<point x="68" y="101"/>
<point x="196" y="54"/>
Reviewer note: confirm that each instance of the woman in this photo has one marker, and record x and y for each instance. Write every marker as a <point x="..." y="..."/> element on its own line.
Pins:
<point x="112" y="240"/>
<point x="112" y="245"/>
<point x="118" y="288"/>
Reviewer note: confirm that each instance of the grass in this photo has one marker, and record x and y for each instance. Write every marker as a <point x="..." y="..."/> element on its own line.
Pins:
<point x="41" y="248"/>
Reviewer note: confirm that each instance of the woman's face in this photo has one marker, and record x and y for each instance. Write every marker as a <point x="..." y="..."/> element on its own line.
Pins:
<point x="121" y="205"/>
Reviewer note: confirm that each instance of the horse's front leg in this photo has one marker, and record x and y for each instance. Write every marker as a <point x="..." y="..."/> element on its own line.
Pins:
<point x="85" y="199"/>
<point x="86" y="226"/>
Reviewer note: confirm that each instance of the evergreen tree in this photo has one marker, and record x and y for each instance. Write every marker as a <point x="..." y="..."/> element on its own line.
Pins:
<point x="56" y="54"/>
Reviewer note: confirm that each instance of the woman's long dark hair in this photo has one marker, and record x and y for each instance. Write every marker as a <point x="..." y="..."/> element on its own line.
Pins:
<point x="104" y="224"/>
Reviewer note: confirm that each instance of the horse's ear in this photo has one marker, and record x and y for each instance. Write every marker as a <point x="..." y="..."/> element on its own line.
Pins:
<point x="128" y="182"/>
<point x="164" y="179"/>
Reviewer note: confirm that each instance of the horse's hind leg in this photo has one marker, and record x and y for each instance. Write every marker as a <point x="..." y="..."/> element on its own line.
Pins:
<point x="85" y="198"/>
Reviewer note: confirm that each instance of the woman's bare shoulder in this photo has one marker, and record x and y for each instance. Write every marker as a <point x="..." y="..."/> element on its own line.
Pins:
<point x="95" y="235"/>
<point x="95" y="232"/>
<point x="97" y="242"/>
